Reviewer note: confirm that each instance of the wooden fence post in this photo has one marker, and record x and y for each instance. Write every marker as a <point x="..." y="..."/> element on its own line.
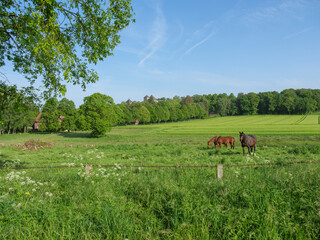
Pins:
<point x="89" y="170"/>
<point x="220" y="171"/>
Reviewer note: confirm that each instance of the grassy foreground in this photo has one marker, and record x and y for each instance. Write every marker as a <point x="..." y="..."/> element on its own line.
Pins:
<point x="272" y="202"/>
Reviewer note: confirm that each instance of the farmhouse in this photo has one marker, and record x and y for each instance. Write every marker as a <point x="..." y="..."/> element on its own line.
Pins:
<point x="37" y="123"/>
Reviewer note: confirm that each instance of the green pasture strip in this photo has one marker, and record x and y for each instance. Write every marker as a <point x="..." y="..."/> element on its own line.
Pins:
<point x="171" y="151"/>
<point x="259" y="125"/>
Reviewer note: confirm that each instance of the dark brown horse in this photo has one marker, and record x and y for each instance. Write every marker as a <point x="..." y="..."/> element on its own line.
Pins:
<point x="225" y="141"/>
<point x="248" y="141"/>
<point x="213" y="140"/>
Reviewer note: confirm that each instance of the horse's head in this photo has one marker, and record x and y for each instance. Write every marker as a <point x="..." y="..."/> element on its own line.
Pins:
<point x="241" y="136"/>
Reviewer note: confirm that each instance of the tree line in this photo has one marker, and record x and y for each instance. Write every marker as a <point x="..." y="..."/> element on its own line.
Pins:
<point x="288" y="101"/>
<point x="98" y="113"/>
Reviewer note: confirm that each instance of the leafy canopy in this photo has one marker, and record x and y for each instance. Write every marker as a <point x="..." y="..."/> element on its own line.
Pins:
<point x="58" y="39"/>
<point x="98" y="110"/>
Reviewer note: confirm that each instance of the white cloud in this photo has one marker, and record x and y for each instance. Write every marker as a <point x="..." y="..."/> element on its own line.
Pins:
<point x="298" y="33"/>
<point x="281" y="10"/>
<point x="158" y="36"/>
<point x="199" y="43"/>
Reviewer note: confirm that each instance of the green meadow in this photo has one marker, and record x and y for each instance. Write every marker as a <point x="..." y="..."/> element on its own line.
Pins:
<point x="257" y="202"/>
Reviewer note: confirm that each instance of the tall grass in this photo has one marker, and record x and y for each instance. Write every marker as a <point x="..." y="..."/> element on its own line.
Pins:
<point x="260" y="203"/>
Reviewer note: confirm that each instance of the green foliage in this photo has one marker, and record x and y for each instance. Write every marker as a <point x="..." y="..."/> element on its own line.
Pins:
<point x="144" y="115"/>
<point x="18" y="108"/>
<point x="99" y="112"/>
<point x="42" y="38"/>
<point x="82" y="123"/>
<point x="68" y="110"/>
<point x="50" y="116"/>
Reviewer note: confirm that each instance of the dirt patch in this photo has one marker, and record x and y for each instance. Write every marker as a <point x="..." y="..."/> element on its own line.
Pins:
<point x="35" y="145"/>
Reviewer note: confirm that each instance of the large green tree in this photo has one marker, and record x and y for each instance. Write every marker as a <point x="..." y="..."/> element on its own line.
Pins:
<point x="18" y="108"/>
<point x="67" y="109"/>
<point x="58" y="39"/>
<point x="287" y="100"/>
<point x="50" y="116"/>
<point x="254" y="102"/>
<point x="99" y="112"/>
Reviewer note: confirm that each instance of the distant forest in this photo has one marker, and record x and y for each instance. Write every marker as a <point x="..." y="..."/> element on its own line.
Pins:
<point x="20" y="107"/>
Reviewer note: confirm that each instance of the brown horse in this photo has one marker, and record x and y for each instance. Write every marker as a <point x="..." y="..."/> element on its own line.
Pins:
<point x="225" y="141"/>
<point x="213" y="140"/>
<point x="248" y="141"/>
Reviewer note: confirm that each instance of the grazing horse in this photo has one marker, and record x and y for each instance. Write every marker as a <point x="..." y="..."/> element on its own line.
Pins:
<point x="248" y="141"/>
<point x="213" y="140"/>
<point x="225" y="141"/>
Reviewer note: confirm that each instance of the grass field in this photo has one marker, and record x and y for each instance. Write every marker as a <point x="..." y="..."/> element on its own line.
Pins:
<point x="271" y="202"/>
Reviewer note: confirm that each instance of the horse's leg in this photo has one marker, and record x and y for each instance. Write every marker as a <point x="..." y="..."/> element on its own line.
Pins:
<point x="249" y="150"/>
<point x="226" y="145"/>
<point x="243" y="150"/>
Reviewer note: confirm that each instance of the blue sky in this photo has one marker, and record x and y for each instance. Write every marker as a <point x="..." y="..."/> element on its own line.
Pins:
<point x="187" y="47"/>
